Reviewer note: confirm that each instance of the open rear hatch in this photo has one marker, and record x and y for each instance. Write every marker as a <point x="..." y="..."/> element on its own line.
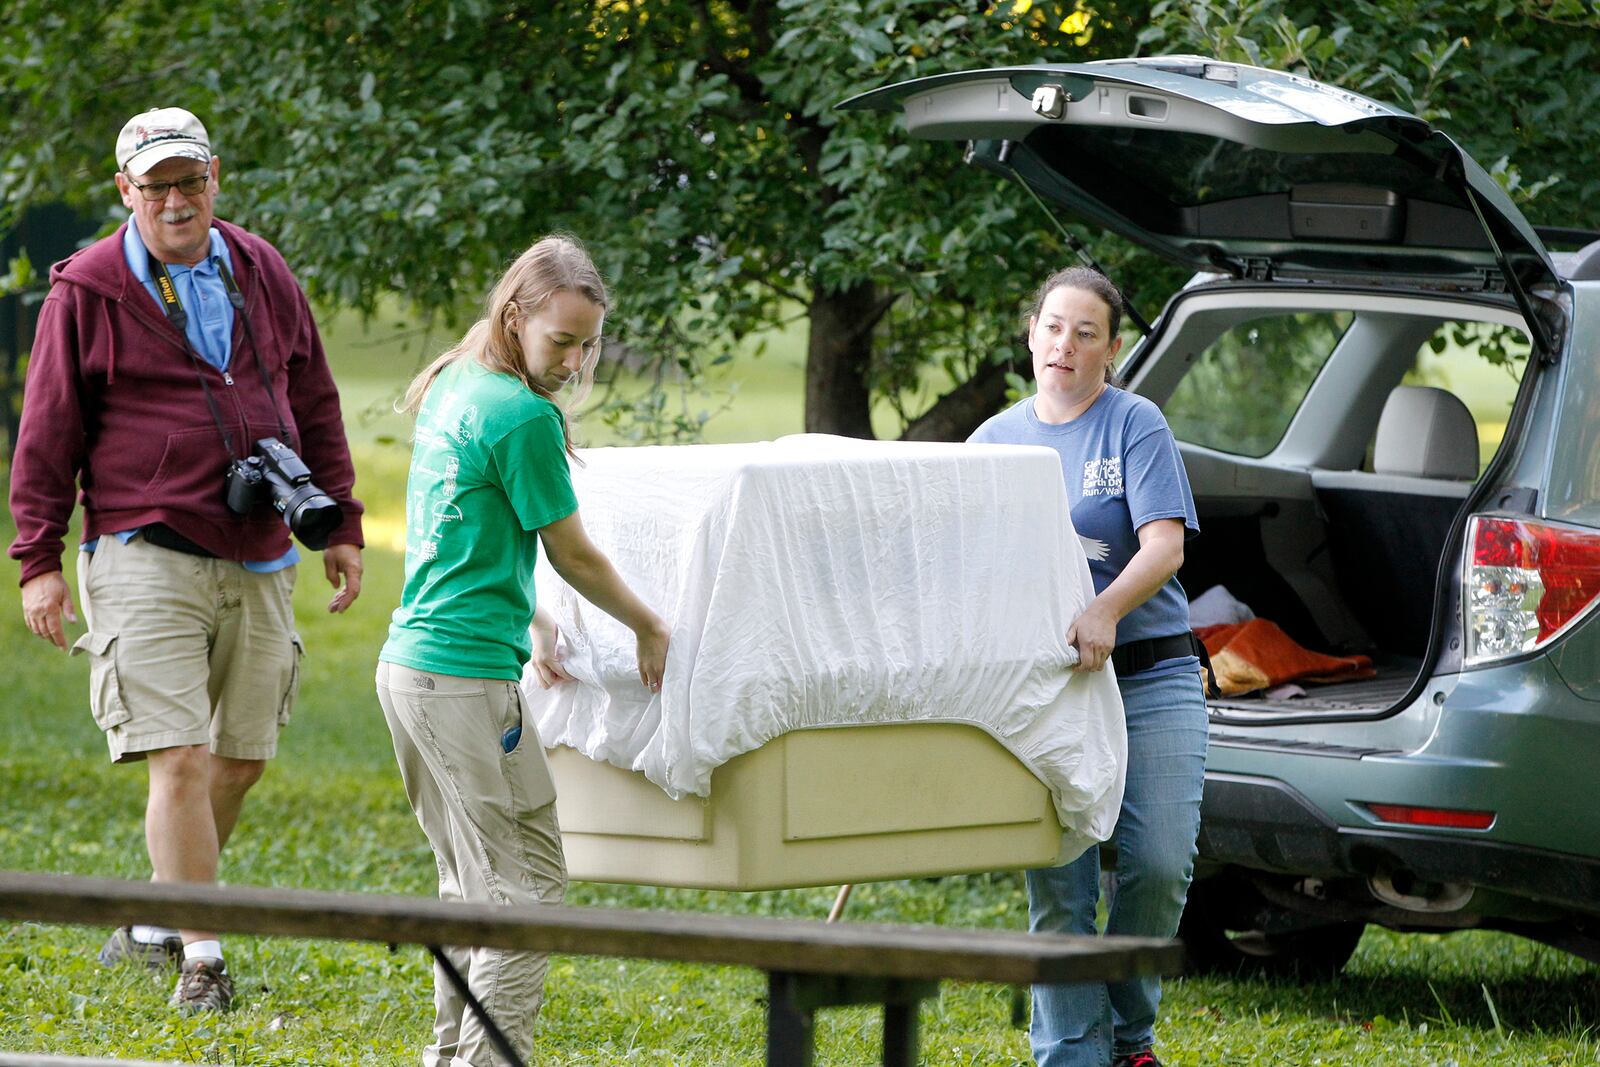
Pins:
<point x="1253" y="173"/>
<point x="1237" y="169"/>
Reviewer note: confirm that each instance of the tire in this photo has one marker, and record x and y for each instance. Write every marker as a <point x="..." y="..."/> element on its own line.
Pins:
<point x="1228" y="929"/>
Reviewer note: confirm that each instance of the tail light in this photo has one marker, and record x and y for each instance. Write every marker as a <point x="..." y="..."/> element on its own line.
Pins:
<point x="1526" y="583"/>
<point x="1411" y="815"/>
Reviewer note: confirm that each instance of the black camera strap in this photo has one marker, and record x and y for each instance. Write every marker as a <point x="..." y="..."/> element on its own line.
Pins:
<point x="236" y="298"/>
<point x="173" y="307"/>
<point x="180" y="318"/>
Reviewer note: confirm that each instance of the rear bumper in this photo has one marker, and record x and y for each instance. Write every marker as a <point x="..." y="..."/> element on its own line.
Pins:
<point x="1265" y="824"/>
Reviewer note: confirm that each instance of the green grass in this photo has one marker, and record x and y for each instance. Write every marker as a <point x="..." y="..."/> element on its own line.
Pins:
<point x="330" y="814"/>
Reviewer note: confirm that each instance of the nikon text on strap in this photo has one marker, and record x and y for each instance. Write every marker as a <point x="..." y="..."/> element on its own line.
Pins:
<point x="168" y="294"/>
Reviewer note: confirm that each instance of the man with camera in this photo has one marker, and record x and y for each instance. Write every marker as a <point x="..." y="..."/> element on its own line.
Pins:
<point x="178" y="380"/>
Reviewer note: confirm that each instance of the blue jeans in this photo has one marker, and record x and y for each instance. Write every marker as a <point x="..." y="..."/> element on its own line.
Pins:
<point x="1086" y="1024"/>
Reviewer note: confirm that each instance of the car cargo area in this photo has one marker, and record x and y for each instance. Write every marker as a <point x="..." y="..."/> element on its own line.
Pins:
<point x="1331" y="441"/>
<point x="1320" y="580"/>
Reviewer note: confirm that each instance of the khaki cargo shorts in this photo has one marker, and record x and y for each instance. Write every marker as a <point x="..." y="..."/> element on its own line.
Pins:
<point x="186" y="650"/>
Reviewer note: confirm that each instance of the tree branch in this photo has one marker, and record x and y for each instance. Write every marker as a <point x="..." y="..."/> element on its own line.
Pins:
<point x="873" y="316"/>
<point x="956" y="414"/>
<point x="772" y="286"/>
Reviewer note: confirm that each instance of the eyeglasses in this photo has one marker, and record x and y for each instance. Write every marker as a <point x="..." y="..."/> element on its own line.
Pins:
<point x="193" y="185"/>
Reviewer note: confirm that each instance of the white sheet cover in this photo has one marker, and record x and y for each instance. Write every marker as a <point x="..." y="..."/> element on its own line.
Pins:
<point x="816" y="581"/>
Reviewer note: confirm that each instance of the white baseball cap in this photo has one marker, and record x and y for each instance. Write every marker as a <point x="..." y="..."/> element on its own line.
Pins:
<point x="161" y="133"/>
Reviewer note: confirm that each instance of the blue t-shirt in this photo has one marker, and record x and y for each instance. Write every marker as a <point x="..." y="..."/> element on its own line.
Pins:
<point x="1122" y="470"/>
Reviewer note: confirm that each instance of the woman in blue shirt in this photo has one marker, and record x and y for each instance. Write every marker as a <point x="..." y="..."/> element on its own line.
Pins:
<point x="1132" y="509"/>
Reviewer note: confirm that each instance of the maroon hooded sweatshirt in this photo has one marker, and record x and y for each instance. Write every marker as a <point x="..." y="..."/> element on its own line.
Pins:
<point x="113" y="404"/>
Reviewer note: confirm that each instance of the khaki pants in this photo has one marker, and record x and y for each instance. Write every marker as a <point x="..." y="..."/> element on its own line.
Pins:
<point x="186" y="650"/>
<point x="490" y="816"/>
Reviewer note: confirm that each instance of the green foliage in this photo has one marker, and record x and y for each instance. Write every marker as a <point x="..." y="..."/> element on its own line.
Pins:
<point x="19" y="276"/>
<point x="647" y="418"/>
<point x="1505" y="347"/>
<point x="1496" y="74"/>
<point x="415" y="147"/>
<point x="20" y="280"/>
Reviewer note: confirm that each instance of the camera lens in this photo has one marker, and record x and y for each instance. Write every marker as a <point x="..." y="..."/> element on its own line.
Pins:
<point x="312" y="515"/>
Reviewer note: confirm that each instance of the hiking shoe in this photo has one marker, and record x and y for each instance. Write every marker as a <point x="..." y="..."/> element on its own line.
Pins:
<point x="120" y="948"/>
<point x="1143" y="1058"/>
<point x="203" y="985"/>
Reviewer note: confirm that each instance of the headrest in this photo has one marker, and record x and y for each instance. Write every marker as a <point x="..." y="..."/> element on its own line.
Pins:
<point x="1585" y="263"/>
<point x="1426" y="433"/>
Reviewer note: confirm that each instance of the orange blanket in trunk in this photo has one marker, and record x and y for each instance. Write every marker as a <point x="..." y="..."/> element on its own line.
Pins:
<point x="1247" y="656"/>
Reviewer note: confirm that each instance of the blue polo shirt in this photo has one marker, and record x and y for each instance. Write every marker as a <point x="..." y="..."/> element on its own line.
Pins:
<point x="200" y="291"/>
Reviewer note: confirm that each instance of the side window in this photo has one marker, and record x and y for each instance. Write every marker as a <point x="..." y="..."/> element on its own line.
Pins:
<point x="1245" y="387"/>
<point x="1482" y="364"/>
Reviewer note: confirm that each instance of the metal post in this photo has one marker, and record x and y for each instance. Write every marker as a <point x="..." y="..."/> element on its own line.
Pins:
<point x="791" y="1033"/>
<point x="1021" y="1004"/>
<point x="837" y="911"/>
<point x="900" y="1034"/>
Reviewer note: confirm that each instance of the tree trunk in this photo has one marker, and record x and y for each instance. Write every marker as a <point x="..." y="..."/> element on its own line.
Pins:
<point x="962" y="409"/>
<point x="838" y="353"/>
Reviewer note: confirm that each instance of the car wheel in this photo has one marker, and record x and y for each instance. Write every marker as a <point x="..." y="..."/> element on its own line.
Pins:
<point x="1228" y="928"/>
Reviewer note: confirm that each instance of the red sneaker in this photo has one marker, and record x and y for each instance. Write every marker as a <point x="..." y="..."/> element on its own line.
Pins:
<point x="1143" y="1058"/>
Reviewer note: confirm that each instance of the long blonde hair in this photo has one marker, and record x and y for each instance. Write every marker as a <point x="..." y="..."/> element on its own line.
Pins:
<point x="554" y="263"/>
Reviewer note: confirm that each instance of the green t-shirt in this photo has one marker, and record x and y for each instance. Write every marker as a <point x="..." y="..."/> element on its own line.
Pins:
<point x="488" y="469"/>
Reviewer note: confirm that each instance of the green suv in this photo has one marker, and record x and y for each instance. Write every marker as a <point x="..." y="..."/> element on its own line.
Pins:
<point x="1387" y="393"/>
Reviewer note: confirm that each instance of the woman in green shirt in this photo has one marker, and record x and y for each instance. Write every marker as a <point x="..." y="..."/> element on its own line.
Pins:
<point x="489" y="483"/>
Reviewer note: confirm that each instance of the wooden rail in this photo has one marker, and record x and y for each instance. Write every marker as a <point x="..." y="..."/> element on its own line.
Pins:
<point x="811" y="964"/>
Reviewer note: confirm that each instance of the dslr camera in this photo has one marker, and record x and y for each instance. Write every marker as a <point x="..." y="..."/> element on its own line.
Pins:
<point x="274" y="470"/>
